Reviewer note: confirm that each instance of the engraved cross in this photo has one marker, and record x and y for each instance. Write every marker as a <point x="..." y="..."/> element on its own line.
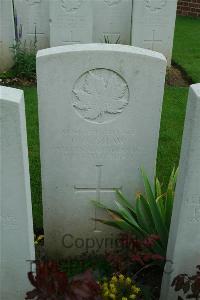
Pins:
<point x="71" y="39"/>
<point x="98" y="189"/>
<point x="34" y="31"/>
<point x="153" y="40"/>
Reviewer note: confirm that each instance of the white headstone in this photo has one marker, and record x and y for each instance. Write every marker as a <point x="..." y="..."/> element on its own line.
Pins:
<point x="153" y="25"/>
<point x="16" y="228"/>
<point x="183" y="245"/>
<point x="99" y="123"/>
<point x="71" y="22"/>
<point x="33" y="16"/>
<point x="7" y="34"/>
<point x="112" y="21"/>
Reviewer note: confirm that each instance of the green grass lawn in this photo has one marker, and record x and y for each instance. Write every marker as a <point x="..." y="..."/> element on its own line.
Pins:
<point x="171" y="130"/>
<point x="34" y="156"/>
<point x="187" y="54"/>
<point x="186" y="51"/>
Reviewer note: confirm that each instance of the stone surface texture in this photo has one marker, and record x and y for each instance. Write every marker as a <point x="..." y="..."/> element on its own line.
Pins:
<point x="153" y="25"/>
<point x="7" y="34"/>
<point x="16" y="227"/>
<point x="99" y="123"/>
<point x="71" y="22"/>
<point x="183" y="245"/>
<point x="112" y="21"/>
<point x="33" y="18"/>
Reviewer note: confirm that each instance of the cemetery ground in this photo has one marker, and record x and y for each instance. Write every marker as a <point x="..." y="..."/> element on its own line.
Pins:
<point x="186" y="70"/>
<point x="186" y="55"/>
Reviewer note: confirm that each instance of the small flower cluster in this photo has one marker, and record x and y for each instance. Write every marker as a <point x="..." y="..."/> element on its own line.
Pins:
<point x="120" y="288"/>
<point x="38" y="239"/>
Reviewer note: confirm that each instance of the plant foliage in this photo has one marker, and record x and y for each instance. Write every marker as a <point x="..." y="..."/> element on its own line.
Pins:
<point x="188" y="285"/>
<point x="134" y="254"/>
<point x="24" y="60"/>
<point x="151" y="214"/>
<point x="24" y="55"/>
<point x="52" y="284"/>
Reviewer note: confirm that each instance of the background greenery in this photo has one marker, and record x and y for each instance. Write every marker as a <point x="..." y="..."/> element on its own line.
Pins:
<point x="186" y="53"/>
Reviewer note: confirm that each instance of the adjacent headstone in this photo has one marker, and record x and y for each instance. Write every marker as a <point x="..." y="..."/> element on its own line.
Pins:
<point x="183" y="245"/>
<point x="71" y="22"/>
<point x="33" y="19"/>
<point x="7" y="34"/>
<point x="153" y="25"/>
<point x="99" y="123"/>
<point x="16" y="228"/>
<point x="112" y="21"/>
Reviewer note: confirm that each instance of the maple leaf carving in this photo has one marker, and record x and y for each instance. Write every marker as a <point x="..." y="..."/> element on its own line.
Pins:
<point x="155" y="4"/>
<point x="101" y="92"/>
<point x="32" y="2"/>
<point x="112" y="2"/>
<point x="71" y="5"/>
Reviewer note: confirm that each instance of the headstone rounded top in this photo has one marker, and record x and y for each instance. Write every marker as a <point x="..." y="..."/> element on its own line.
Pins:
<point x="11" y="94"/>
<point x="100" y="47"/>
<point x="100" y="95"/>
<point x="196" y="89"/>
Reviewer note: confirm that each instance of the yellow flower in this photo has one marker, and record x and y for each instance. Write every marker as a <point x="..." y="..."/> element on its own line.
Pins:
<point x="105" y="285"/>
<point x="114" y="279"/>
<point x="106" y="293"/>
<point x="121" y="277"/>
<point x="112" y="285"/>
<point x="113" y="290"/>
<point x="116" y="286"/>
<point x="135" y="289"/>
<point x="128" y="280"/>
<point x="38" y="239"/>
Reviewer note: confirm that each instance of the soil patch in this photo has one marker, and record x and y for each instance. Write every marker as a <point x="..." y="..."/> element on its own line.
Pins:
<point x="176" y="76"/>
<point x="15" y="81"/>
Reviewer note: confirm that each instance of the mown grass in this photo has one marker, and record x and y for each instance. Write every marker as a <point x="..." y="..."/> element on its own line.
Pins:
<point x="171" y="130"/>
<point x="30" y="94"/>
<point x="186" y="50"/>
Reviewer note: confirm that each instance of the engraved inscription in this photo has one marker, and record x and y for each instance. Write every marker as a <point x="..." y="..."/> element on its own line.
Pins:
<point x="193" y="200"/>
<point x="99" y="145"/>
<point x="71" y="5"/>
<point x="155" y="5"/>
<point x="33" y="2"/>
<point x="100" y="95"/>
<point x="197" y="214"/>
<point x="9" y="222"/>
<point x="112" y="2"/>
